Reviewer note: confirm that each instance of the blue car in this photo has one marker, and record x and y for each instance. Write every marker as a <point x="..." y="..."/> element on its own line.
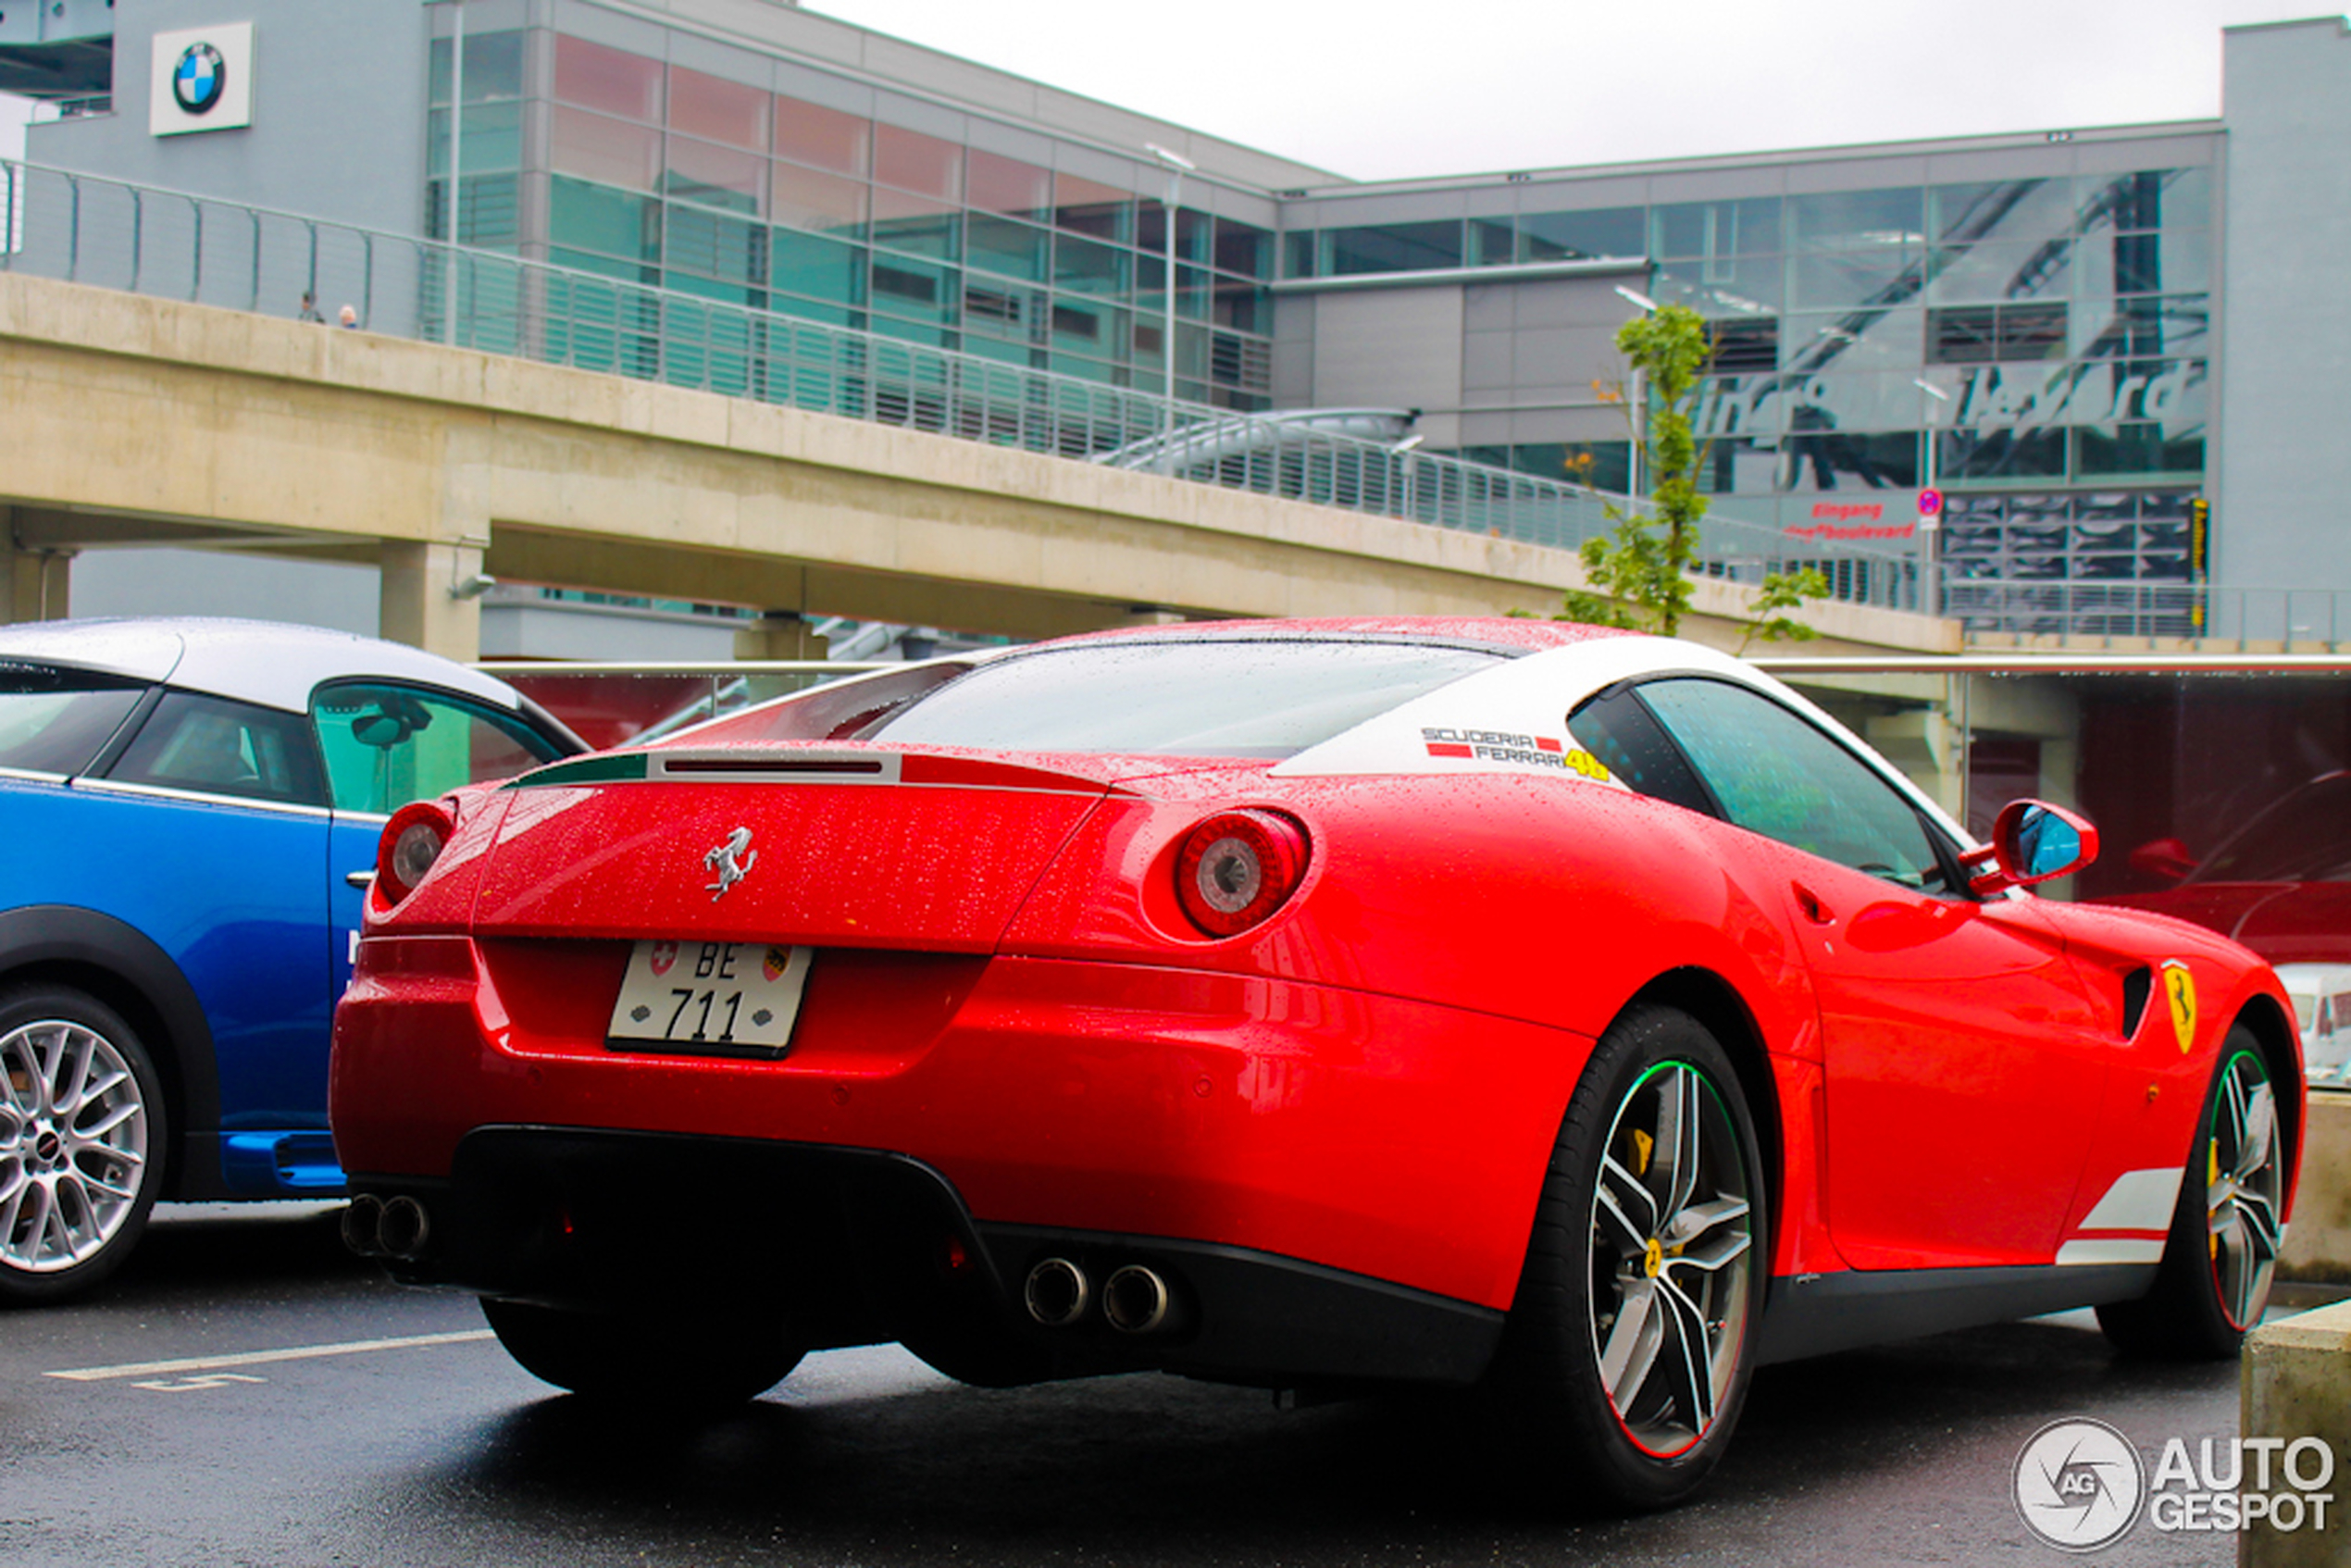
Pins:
<point x="192" y="809"/>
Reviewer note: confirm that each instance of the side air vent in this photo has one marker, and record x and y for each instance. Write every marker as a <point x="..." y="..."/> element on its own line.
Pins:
<point x="2137" y="986"/>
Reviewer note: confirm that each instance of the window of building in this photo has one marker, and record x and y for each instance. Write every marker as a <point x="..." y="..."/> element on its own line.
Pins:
<point x="816" y="268"/>
<point x="718" y="110"/>
<point x="1971" y="454"/>
<point x="911" y="223"/>
<point x="611" y="152"/>
<point x="716" y="175"/>
<point x="2030" y="209"/>
<point x="2130" y="450"/>
<point x="493" y="67"/>
<point x="1008" y="186"/>
<point x="1005" y="245"/>
<point x="1087" y="268"/>
<point x="584" y="215"/>
<point x="2001" y="269"/>
<point x="492" y="139"/>
<point x="912" y="161"/>
<point x="1393" y="247"/>
<point x="1244" y="248"/>
<point x="822" y="138"/>
<point x="716" y="246"/>
<point x="1743" y="344"/>
<point x="1580" y="236"/>
<point x="912" y="289"/>
<point x="1885" y="275"/>
<point x="1977" y="334"/>
<point x="824" y="203"/>
<point x="1087" y="206"/>
<point x="1747" y="227"/>
<point x="611" y="80"/>
<point x="1839" y="220"/>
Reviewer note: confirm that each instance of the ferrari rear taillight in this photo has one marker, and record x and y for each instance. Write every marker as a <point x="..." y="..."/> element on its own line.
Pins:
<point x="412" y="842"/>
<point x="1238" y="867"/>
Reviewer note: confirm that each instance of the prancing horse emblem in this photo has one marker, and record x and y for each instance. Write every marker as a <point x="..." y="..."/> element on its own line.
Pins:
<point x="731" y="864"/>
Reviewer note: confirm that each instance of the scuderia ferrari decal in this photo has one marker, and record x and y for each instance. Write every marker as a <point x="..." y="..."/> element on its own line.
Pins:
<point x="1495" y="745"/>
<point x="2179" y="991"/>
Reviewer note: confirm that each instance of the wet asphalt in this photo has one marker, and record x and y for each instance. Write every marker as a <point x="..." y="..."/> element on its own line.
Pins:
<point x="445" y="1452"/>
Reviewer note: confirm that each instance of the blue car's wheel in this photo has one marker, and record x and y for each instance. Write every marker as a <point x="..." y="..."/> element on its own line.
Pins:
<point x="82" y="1141"/>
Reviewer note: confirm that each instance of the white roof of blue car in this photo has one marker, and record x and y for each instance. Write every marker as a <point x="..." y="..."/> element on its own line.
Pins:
<point x="269" y="662"/>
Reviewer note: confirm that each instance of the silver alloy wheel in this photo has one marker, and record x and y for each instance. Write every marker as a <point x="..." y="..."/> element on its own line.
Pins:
<point x="1671" y="1216"/>
<point x="74" y="1145"/>
<point x="2242" y="1190"/>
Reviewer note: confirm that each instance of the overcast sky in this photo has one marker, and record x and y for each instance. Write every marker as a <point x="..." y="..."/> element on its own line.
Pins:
<point x="1385" y="88"/>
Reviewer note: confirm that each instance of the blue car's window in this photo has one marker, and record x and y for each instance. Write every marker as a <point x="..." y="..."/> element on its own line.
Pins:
<point x="387" y="745"/>
<point x="1189" y="699"/>
<point x="217" y="747"/>
<point x="1778" y="775"/>
<point x="55" y="721"/>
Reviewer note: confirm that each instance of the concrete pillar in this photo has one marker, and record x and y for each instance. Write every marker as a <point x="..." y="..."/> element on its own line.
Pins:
<point x="1925" y="744"/>
<point x="2317" y="1244"/>
<point x="432" y="599"/>
<point x="2294" y="1382"/>
<point x="34" y="584"/>
<point x="781" y="634"/>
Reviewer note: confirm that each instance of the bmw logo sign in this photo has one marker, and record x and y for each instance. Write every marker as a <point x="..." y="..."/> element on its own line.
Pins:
<point x="197" y="81"/>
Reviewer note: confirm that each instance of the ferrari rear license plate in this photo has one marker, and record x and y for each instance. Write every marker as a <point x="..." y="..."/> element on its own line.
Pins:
<point x="728" y="998"/>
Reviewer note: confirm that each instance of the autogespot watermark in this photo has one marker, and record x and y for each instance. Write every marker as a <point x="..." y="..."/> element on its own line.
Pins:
<point x="2081" y="1484"/>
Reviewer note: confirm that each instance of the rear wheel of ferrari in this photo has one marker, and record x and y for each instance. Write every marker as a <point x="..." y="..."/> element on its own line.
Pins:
<point x="1630" y="1344"/>
<point x="81" y="1140"/>
<point x="675" y="1362"/>
<point x="2226" y="1232"/>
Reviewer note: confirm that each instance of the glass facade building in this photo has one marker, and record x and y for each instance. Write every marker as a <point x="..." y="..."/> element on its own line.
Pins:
<point x="762" y="182"/>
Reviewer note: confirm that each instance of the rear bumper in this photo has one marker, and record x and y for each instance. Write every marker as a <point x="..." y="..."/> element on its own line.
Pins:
<point x="853" y="1247"/>
<point x="1388" y="1140"/>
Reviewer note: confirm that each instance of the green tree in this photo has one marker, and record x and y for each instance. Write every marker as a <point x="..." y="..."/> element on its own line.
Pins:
<point x="1639" y="570"/>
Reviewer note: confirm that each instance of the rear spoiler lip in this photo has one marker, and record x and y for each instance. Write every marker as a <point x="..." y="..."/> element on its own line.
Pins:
<point x="809" y="765"/>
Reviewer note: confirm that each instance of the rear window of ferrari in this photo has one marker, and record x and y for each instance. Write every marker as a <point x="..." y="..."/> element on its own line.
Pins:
<point x="1194" y="698"/>
<point x="56" y="720"/>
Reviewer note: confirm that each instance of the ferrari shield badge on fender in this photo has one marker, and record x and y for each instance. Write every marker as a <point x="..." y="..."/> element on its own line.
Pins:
<point x="2179" y="991"/>
<point x="729" y="861"/>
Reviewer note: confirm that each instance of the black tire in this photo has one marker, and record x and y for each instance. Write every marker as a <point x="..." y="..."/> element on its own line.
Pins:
<point x="2221" y="1255"/>
<point x="82" y="1137"/>
<point x="1672" y="1264"/>
<point x="682" y="1363"/>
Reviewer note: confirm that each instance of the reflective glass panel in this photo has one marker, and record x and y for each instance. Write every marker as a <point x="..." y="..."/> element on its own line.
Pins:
<point x="911" y="289"/>
<point x="1087" y="206"/>
<point x="2002" y="209"/>
<point x="217" y="747"/>
<point x="822" y="138"/>
<point x="2156" y="198"/>
<point x="610" y="79"/>
<point x="1001" y="244"/>
<point x="2142" y="328"/>
<point x="910" y="223"/>
<point x="1742" y="286"/>
<point x="492" y="139"/>
<point x="824" y="269"/>
<point x="2140" y="449"/>
<point x="718" y="110"/>
<point x="1089" y="328"/>
<point x="1177" y="699"/>
<point x="2002" y="270"/>
<point x="1087" y="268"/>
<point x="2000" y="455"/>
<point x="716" y="175"/>
<point x="2142" y="264"/>
<point x="1748" y="227"/>
<point x="1889" y="276"/>
<point x="2113" y="390"/>
<point x="597" y="218"/>
<point x="1244" y="248"/>
<point x="54" y="721"/>
<point x="387" y="745"/>
<point x="1840" y="221"/>
<point x="1004" y="311"/>
<point x="912" y="161"/>
<point x="1578" y="236"/>
<point x="1855" y="340"/>
<point x="493" y="67"/>
<point x="1005" y="185"/>
<point x="612" y="152"/>
<point x="1193" y="230"/>
<point x="827" y="203"/>
<point x="1297" y="253"/>
<point x="1395" y="247"/>
<point x="715" y="246"/>
<point x="1776" y="775"/>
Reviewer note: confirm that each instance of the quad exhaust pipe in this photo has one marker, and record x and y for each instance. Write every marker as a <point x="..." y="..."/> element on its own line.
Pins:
<point x="1135" y="1298"/>
<point x="397" y="1228"/>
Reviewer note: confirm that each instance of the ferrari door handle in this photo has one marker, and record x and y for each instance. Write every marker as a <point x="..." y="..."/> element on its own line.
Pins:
<point x="360" y="878"/>
<point x="1809" y="902"/>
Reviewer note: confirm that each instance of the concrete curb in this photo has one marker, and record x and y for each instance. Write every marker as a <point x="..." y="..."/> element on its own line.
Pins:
<point x="2295" y="1381"/>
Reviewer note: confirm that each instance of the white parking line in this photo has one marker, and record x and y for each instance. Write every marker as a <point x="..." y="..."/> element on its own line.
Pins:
<point x="262" y="1358"/>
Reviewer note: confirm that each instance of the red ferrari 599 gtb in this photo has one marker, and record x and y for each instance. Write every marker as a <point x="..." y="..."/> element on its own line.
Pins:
<point x="1313" y="1004"/>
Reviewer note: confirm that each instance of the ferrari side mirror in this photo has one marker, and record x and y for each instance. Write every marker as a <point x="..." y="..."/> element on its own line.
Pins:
<point x="2033" y="841"/>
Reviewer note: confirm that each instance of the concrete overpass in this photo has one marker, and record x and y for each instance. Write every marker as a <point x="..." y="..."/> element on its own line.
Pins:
<point x="128" y="420"/>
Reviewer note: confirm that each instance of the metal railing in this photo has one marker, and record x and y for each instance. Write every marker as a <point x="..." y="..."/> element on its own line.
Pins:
<point x="2078" y="609"/>
<point x="87" y="228"/>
